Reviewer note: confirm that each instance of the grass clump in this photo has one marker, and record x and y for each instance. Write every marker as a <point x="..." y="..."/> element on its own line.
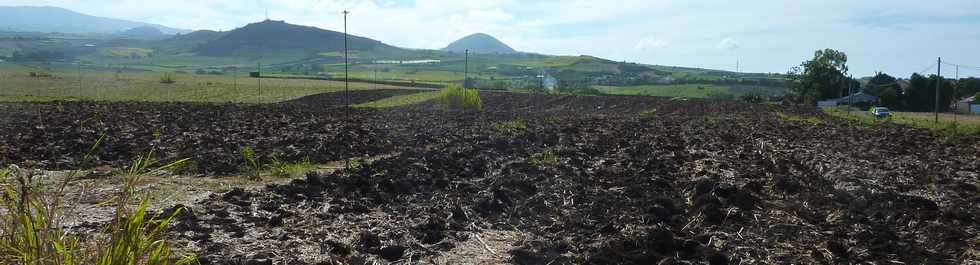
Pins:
<point x="454" y="97"/>
<point x="517" y="124"/>
<point x="815" y="120"/>
<point x="251" y="164"/>
<point x="33" y="220"/>
<point x="282" y="168"/>
<point x="168" y="78"/>
<point x="545" y="158"/>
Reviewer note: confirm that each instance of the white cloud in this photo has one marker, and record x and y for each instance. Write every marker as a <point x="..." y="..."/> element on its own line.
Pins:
<point x="728" y="44"/>
<point x="647" y="44"/>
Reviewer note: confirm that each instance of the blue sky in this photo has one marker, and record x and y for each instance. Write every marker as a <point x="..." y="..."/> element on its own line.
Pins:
<point x="895" y="36"/>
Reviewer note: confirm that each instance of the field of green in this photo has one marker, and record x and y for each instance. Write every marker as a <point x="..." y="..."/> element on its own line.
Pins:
<point x="948" y="123"/>
<point x="121" y="57"/>
<point x="398" y="101"/>
<point x="65" y="83"/>
<point x="685" y="91"/>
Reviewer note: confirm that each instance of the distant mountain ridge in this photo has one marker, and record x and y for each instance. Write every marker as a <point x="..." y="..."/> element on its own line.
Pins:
<point x="480" y="43"/>
<point x="55" y="19"/>
<point x="144" y="33"/>
<point x="271" y="35"/>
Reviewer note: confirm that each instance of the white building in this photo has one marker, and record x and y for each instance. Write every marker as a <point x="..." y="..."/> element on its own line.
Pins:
<point x="969" y="105"/>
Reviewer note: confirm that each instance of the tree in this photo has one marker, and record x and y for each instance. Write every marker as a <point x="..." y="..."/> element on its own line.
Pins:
<point x="821" y="78"/>
<point x="886" y="89"/>
<point x="967" y="87"/>
<point x="921" y="94"/>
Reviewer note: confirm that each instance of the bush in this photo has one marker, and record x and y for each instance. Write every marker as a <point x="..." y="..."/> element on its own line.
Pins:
<point x="577" y="88"/>
<point x="752" y="98"/>
<point x="40" y="74"/>
<point x="455" y="97"/>
<point x="168" y="78"/>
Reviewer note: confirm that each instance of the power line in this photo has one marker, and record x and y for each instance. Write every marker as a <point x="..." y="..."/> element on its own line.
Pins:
<point x="926" y="69"/>
<point x="962" y="66"/>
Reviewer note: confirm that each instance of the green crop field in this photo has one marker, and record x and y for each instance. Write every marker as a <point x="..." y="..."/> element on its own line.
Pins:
<point x="65" y="84"/>
<point x="949" y="123"/>
<point x="398" y="101"/>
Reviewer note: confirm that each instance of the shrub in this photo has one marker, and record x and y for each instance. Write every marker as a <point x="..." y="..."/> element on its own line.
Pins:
<point x="576" y="88"/>
<point x="168" y="78"/>
<point x="251" y="162"/>
<point x="32" y="221"/>
<point x="752" y="98"/>
<point x="455" y="97"/>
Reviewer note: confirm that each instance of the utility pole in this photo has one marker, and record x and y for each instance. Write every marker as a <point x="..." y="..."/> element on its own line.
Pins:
<point x="939" y="84"/>
<point x="79" y="76"/>
<point x="850" y="94"/>
<point x="466" y="69"/>
<point x="259" y="78"/>
<point x="541" y="78"/>
<point x="346" y="67"/>
<point x="956" y="89"/>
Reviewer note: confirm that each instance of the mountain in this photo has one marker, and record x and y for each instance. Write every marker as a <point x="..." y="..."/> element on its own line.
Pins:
<point x="480" y="43"/>
<point x="271" y="36"/>
<point x="55" y="19"/>
<point x="187" y="42"/>
<point x="143" y="33"/>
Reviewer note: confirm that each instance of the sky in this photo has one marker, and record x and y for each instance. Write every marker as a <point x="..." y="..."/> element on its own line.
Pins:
<point x="897" y="37"/>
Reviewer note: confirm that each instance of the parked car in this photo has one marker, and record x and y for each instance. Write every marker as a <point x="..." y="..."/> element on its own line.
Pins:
<point x="881" y="112"/>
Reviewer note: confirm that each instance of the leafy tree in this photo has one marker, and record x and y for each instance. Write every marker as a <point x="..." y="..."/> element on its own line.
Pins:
<point x="821" y="78"/>
<point x="967" y="87"/>
<point x="921" y="94"/>
<point x="886" y="89"/>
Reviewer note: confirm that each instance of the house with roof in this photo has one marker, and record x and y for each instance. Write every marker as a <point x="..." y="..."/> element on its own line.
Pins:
<point x="969" y="105"/>
<point x="857" y="99"/>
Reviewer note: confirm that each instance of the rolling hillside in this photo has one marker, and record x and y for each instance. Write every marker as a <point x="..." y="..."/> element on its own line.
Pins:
<point x="280" y="36"/>
<point x="55" y="19"/>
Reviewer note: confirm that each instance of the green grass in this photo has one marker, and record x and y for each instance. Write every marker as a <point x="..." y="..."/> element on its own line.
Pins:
<point x="16" y="85"/>
<point x="517" y="124"/>
<point x="407" y="73"/>
<point x="398" y="101"/>
<point x="456" y="97"/>
<point x="126" y="52"/>
<point x="685" y="91"/>
<point x="812" y="119"/>
<point x="963" y="124"/>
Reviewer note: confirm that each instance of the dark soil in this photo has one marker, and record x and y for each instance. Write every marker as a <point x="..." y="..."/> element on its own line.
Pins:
<point x="59" y="135"/>
<point x="335" y="99"/>
<point x="586" y="180"/>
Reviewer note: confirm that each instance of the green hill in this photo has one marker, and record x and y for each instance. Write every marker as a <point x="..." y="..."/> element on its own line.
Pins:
<point x="143" y="33"/>
<point x="269" y="35"/>
<point x="187" y="42"/>
<point x="56" y="19"/>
